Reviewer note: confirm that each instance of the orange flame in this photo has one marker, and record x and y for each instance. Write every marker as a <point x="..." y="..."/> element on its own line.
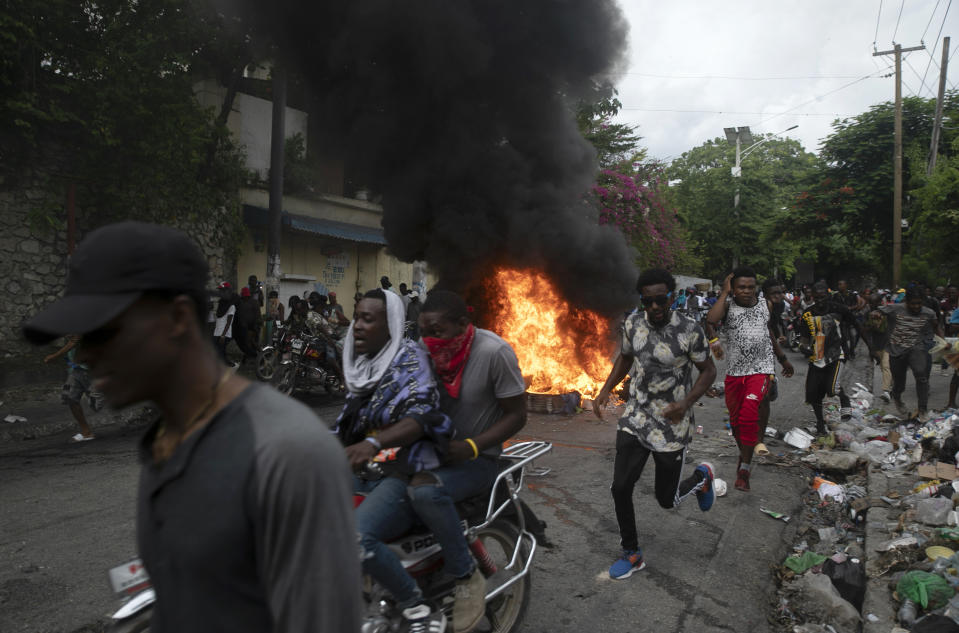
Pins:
<point x="560" y="348"/>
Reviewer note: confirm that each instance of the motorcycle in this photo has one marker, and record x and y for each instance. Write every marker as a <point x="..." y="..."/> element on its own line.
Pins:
<point x="503" y="535"/>
<point x="791" y="326"/>
<point x="131" y="582"/>
<point x="268" y="358"/>
<point x="307" y="364"/>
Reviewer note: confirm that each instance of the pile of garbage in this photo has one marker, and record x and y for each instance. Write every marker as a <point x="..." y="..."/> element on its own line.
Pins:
<point x="823" y="581"/>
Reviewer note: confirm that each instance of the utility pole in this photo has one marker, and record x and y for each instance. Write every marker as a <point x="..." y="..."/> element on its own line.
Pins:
<point x="737" y="136"/>
<point x="937" y="123"/>
<point x="277" y="141"/>
<point x="897" y="163"/>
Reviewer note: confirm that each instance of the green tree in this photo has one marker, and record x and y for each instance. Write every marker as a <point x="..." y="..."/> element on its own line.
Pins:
<point x="935" y="230"/>
<point x="703" y="191"/>
<point x="630" y="190"/>
<point x="858" y="155"/>
<point x="109" y="84"/>
<point x="616" y="144"/>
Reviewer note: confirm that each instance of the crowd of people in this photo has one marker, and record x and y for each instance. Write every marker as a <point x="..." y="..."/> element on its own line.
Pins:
<point x="748" y="326"/>
<point x="244" y="517"/>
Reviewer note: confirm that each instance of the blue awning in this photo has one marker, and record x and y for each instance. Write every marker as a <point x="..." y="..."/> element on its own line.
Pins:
<point x="259" y="217"/>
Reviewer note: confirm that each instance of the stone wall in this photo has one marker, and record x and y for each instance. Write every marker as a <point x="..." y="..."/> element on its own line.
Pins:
<point x="33" y="258"/>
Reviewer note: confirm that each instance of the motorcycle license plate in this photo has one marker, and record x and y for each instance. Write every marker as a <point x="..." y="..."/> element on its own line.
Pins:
<point x="297" y="345"/>
<point x="129" y="577"/>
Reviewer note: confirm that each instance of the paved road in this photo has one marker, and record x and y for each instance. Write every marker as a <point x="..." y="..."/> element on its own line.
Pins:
<point x="68" y="515"/>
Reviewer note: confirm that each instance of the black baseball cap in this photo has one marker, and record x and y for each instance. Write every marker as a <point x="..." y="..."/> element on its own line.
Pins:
<point x="111" y="269"/>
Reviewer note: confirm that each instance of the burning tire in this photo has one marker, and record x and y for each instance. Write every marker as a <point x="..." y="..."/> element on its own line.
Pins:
<point x="505" y="612"/>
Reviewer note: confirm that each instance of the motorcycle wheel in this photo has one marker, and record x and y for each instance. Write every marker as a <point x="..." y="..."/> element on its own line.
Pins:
<point x="285" y="379"/>
<point x="505" y="612"/>
<point x="266" y="362"/>
<point x="792" y="340"/>
<point x="333" y="385"/>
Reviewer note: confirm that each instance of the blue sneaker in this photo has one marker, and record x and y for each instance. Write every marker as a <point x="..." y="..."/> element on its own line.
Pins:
<point x="707" y="495"/>
<point x="630" y="563"/>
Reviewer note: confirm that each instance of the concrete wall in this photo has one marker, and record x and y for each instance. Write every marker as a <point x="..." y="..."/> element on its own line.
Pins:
<point x="33" y="261"/>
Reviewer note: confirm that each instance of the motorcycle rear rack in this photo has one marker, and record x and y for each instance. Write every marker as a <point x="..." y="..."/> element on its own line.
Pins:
<point x="523" y="454"/>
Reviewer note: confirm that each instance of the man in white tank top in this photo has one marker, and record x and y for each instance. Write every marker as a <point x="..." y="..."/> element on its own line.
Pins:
<point x="752" y="347"/>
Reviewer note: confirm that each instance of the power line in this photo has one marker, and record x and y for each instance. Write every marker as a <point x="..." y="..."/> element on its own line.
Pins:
<point x="896" y="30"/>
<point x="934" y="9"/>
<point x="817" y="98"/>
<point x="936" y="45"/>
<point x="736" y="78"/>
<point x="876" y="36"/>
<point x="909" y="88"/>
<point x="687" y="111"/>
<point x="916" y="73"/>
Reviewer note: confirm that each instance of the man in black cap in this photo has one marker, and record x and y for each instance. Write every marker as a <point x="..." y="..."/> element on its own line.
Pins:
<point x="243" y="519"/>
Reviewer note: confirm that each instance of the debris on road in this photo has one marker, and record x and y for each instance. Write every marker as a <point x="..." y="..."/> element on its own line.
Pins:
<point x="775" y="515"/>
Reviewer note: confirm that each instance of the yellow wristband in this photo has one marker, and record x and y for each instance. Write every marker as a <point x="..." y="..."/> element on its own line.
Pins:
<point x="475" y="450"/>
<point x="713" y="340"/>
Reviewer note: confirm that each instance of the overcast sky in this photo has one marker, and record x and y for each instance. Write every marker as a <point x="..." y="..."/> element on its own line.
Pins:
<point x="697" y="66"/>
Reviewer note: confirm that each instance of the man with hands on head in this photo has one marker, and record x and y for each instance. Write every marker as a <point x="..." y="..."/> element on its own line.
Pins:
<point x="753" y="345"/>
<point x="660" y="347"/>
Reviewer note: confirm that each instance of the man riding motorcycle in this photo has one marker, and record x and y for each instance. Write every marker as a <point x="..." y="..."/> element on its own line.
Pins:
<point x="487" y="403"/>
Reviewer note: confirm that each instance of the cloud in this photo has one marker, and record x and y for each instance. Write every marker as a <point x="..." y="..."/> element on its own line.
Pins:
<point x="739" y="43"/>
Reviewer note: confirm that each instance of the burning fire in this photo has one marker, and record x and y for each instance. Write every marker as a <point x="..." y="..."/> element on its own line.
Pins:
<point x="560" y="348"/>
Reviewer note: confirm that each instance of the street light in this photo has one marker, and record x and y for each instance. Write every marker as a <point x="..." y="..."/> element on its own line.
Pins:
<point x="738" y="136"/>
<point x="755" y="145"/>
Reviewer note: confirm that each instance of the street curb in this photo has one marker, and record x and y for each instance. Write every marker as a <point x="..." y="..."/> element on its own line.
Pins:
<point x="877" y="600"/>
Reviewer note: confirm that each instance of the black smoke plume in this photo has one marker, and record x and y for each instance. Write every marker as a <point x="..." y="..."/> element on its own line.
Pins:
<point x="460" y="114"/>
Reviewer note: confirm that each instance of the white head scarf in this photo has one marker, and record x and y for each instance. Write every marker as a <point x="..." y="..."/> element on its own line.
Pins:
<point x="363" y="373"/>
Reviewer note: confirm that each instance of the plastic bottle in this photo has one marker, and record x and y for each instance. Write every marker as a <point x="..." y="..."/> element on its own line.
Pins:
<point x="928" y="491"/>
<point x="907" y="613"/>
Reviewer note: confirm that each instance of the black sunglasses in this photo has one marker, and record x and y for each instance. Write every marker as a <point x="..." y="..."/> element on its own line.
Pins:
<point x="659" y="300"/>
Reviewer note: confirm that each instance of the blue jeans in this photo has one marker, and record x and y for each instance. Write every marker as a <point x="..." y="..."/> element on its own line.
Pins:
<point x="435" y="505"/>
<point x="391" y="509"/>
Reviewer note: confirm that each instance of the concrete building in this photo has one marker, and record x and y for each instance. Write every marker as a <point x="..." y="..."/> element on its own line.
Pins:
<point x="329" y="242"/>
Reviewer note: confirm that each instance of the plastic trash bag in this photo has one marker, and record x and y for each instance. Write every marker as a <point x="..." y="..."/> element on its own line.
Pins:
<point x="849" y="579"/>
<point x="804" y="562"/>
<point x="927" y="590"/>
<point x="933" y="511"/>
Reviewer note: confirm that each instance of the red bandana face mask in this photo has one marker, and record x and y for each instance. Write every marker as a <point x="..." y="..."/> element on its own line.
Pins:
<point x="449" y="356"/>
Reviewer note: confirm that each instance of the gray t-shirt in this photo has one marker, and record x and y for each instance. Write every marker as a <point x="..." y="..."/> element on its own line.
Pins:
<point x="491" y="372"/>
<point x="248" y="527"/>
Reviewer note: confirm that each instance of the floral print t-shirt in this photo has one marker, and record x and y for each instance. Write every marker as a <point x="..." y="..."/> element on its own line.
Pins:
<point x="662" y="372"/>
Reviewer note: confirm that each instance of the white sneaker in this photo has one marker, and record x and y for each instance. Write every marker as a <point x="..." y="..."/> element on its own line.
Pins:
<point x="886" y="397"/>
<point x="422" y="619"/>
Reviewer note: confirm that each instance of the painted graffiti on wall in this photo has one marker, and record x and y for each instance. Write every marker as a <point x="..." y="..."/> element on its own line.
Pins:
<point x="335" y="270"/>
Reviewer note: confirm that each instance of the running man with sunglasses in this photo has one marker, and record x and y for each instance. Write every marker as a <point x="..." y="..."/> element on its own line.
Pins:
<point x="660" y="347"/>
<point x="750" y="369"/>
